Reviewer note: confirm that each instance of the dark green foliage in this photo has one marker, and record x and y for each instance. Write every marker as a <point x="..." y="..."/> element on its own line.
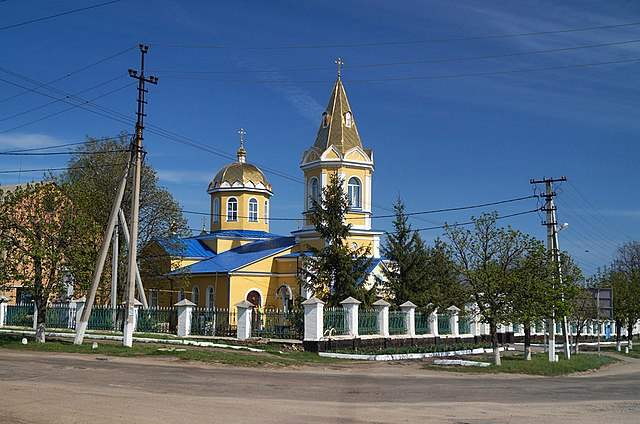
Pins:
<point x="336" y="271"/>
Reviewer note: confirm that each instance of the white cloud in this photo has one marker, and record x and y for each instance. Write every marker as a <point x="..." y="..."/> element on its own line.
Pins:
<point x="27" y="141"/>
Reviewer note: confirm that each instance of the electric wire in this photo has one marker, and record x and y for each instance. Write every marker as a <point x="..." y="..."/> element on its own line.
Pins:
<point x="462" y="224"/>
<point x="101" y="152"/>
<point x="57" y="146"/>
<point x="65" y="168"/>
<point x="59" y="14"/>
<point x="420" y="77"/>
<point x="414" y="62"/>
<point x="393" y="43"/>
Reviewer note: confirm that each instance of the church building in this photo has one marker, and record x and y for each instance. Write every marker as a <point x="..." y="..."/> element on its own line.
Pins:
<point x="239" y="258"/>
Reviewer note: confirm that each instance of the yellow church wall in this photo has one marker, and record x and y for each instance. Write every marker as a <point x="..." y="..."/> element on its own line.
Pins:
<point x="243" y="222"/>
<point x="219" y="282"/>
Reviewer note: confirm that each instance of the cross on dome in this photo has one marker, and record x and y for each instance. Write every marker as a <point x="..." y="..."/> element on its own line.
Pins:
<point x="242" y="154"/>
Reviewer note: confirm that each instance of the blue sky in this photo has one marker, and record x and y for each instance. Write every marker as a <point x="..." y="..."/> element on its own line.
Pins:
<point x="443" y="136"/>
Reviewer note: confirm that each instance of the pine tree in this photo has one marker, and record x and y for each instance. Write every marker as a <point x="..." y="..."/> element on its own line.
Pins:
<point x="336" y="271"/>
<point x="407" y="274"/>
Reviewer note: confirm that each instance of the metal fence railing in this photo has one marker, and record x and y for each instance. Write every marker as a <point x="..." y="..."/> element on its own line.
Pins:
<point x="20" y="315"/>
<point x="275" y="323"/>
<point x="213" y="322"/>
<point x="423" y="323"/>
<point x="397" y="323"/>
<point x="367" y="322"/>
<point x="334" y="321"/>
<point x="464" y="325"/>
<point x="444" y="324"/>
<point x="158" y="320"/>
<point x="60" y="316"/>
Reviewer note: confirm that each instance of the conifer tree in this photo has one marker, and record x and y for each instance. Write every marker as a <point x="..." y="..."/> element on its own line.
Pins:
<point x="336" y="271"/>
<point x="408" y="272"/>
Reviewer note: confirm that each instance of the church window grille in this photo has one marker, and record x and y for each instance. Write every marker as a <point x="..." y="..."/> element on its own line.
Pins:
<point x="211" y="297"/>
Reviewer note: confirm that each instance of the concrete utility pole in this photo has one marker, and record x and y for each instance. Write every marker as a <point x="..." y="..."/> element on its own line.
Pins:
<point x="552" y="246"/>
<point x="137" y="152"/>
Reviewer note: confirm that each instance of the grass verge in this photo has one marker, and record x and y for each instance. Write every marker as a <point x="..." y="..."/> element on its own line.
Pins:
<point x="185" y="353"/>
<point x="539" y="365"/>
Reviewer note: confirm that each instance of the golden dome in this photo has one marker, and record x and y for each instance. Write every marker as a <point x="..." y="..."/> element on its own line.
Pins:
<point x="246" y="174"/>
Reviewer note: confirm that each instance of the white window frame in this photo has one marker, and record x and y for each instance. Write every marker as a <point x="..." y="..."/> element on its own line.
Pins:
<point x="348" y="119"/>
<point x="314" y="190"/>
<point x="232" y="214"/>
<point x="253" y="214"/>
<point x="216" y="210"/>
<point x="211" y="297"/>
<point x="195" y="295"/>
<point x="351" y="191"/>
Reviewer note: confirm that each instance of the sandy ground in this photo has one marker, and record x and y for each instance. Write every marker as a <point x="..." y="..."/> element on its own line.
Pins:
<point x="62" y="388"/>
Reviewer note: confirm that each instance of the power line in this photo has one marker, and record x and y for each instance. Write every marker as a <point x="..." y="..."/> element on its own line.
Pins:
<point x="69" y="74"/>
<point x="67" y="168"/>
<point x="471" y="222"/>
<point x="415" y="62"/>
<point x="57" y="146"/>
<point x="102" y="152"/>
<point x="59" y="100"/>
<point x="59" y="14"/>
<point x="604" y="219"/>
<point x="421" y="77"/>
<point x="394" y="43"/>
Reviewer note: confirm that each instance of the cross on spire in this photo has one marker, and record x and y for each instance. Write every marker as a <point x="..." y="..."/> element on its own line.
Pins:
<point x="339" y="62"/>
<point x="242" y="133"/>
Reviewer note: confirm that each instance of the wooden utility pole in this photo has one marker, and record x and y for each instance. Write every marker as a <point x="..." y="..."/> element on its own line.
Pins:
<point x="136" y="148"/>
<point x="552" y="246"/>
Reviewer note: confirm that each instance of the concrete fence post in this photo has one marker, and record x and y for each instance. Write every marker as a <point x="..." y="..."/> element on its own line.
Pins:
<point x="245" y="310"/>
<point x="382" y="309"/>
<point x="454" y="317"/>
<point x="3" y="310"/>
<point x="79" y="308"/>
<point x="475" y="325"/>
<point x="433" y="318"/>
<point x="409" y="310"/>
<point x="350" y="306"/>
<point x="185" y="315"/>
<point x="313" y="319"/>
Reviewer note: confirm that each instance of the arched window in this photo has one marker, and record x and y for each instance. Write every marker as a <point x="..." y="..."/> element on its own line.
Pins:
<point x="348" y="119"/>
<point x="216" y="209"/>
<point x="266" y="211"/>
<point x="325" y="120"/>
<point x="253" y="210"/>
<point x="232" y="209"/>
<point x="211" y="297"/>
<point x="313" y="191"/>
<point x="354" y="192"/>
<point x="195" y="295"/>
<point x="284" y="295"/>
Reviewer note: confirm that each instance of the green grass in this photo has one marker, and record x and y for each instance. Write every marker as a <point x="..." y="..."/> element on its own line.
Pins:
<point x="539" y="365"/>
<point x="190" y="353"/>
<point x="633" y="353"/>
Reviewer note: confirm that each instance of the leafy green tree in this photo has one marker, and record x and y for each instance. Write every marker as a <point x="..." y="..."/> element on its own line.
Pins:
<point x="446" y="286"/>
<point x="92" y="178"/>
<point x="488" y="259"/>
<point x="625" y="281"/>
<point x="336" y="271"/>
<point x="532" y="300"/>
<point x="44" y="237"/>
<point x="583" y="310"/>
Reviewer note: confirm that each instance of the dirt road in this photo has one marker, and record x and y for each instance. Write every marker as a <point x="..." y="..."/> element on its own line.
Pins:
<point x="63" y="388"/>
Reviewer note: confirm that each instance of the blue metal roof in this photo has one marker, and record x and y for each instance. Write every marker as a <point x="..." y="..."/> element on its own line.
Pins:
<point x="190" y="247"/>
<point x="240" y="234"/>
<point x="239" y="257"/>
